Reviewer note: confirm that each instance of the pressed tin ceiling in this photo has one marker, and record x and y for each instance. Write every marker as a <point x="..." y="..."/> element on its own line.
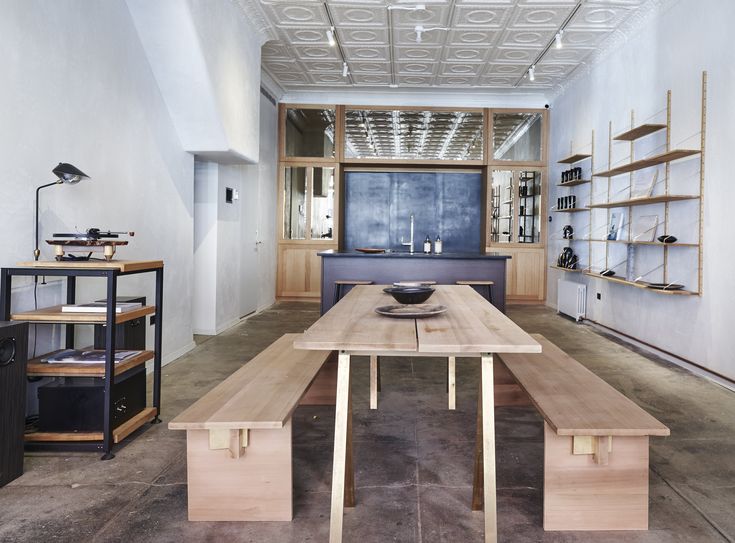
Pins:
<point x="474" y="43"/>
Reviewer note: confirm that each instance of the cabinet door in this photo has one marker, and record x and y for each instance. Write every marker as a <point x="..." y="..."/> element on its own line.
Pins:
<point x="526" y="279"/>
<point x="299" y="271"/>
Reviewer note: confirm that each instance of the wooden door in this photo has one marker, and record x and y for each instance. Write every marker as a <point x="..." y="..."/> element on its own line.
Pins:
<point x="526" y="274"/>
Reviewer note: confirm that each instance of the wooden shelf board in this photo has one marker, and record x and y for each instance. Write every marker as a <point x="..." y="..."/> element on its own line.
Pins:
<point x="127" y="428"/>
<point x="572" y="210"/>
<point x="642" y="285"/>
<point x="118" y="434"/>
<point x="578" y="270"/>
<point x="662" y="158"/>
<point x="658" y="243"/>
<point x="571" y="159"/>
<point x="37" y="368"/>
<point x="639" y="132"/>
<point x="647" y="201"/>
<point x="124" y="266"/>
<point x="55" y="315"/>
<point x="573" y="183"/>
<point x="64" y="436"/>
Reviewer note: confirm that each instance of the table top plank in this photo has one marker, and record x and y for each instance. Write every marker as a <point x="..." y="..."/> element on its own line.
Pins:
<point x="353" y="325"/>
<point x="123" y="265"/>
<point x="470" y="325"/>
<point x="575" y="401"/>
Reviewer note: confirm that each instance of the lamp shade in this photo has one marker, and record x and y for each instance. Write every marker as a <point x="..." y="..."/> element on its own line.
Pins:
<point x="68" y="173"/>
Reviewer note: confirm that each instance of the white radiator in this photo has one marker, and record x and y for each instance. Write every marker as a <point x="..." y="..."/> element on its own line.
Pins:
<point x="572" y="299"/>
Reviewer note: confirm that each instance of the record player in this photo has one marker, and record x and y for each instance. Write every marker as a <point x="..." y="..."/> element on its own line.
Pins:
<point x="93" y="240"/>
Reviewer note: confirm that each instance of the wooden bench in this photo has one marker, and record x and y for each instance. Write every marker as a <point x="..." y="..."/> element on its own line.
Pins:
<point x="238" y="437"/>
<point x="595" y="444"/>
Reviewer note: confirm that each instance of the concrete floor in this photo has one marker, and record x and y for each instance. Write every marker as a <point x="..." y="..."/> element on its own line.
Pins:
<point x="413" y="457"/>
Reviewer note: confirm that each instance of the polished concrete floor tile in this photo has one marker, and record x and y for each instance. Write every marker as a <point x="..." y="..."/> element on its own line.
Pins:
<point x="413" y="457"/>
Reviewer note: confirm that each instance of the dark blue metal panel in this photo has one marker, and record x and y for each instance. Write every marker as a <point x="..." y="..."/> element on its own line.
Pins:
<point x="378" y="206"/>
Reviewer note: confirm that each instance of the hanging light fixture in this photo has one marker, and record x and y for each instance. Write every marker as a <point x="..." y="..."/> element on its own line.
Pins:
<point x="532" y="73"/>
<point x="330" y="37"/>
<point x="345" y="70"/>
<point x="557" y="39"/>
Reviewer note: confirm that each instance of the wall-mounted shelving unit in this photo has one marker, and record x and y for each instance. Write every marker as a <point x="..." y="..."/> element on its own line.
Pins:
<point x="632" y="135"/>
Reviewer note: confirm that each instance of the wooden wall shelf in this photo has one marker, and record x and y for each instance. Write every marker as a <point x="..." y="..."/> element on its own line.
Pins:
<point x="572" y="210"/>
<point x="36" y="368"/>
<point x="577" y="270"/>
<point x="642" y="285"/>
<point x="639" y="132"/>
<point x="54" y="315"/>
<point x="656" y="243"/>
<point x="571" y="159"/>
<point x="646" y="201"/>
<point x="573" y="183"/>
<point x="655" y="160"/>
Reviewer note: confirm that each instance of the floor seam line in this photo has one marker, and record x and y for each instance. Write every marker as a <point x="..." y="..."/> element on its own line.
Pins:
<point x="694" y="506"/>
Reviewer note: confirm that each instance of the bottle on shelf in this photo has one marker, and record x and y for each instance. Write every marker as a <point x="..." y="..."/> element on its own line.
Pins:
<point x="427" y="245"/>
<point x="438" y="246"/>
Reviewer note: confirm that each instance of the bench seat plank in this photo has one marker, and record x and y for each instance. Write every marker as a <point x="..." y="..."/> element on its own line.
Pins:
<point x="573" y="400"/>
<point x="261" y="395"/>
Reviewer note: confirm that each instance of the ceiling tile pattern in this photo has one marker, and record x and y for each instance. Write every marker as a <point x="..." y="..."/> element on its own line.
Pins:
<point x="466" y="43"/>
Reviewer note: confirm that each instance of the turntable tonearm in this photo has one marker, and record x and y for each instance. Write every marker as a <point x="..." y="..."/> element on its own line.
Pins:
<point x="93" y="240"/>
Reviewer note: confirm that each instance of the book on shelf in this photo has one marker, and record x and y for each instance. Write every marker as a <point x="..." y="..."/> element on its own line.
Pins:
<point x="77" y="356"/>
<point x="100" y="307"/>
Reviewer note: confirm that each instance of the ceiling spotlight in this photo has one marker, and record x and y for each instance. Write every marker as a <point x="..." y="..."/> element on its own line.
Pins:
<point x="345" y="69"/>
<point x="420" y="29"/>
<point x="417" y="7"/>
<point x="557" y="39"/>
<point x="532" y="73"/>
<point x="330" y="37"/>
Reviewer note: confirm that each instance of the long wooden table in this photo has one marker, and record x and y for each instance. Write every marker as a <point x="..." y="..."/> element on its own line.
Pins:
<point x="471" y="327"/>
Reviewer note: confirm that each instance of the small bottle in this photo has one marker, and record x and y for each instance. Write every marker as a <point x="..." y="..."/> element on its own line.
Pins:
<point x="438" y="245"/>
<point x="427" y="245"/>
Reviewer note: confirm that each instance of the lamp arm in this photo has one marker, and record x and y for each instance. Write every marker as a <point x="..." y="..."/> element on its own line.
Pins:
<point x="37" y="251"/>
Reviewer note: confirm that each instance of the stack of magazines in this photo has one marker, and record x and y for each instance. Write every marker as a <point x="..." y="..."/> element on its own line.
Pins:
<point x="75" y="356"/>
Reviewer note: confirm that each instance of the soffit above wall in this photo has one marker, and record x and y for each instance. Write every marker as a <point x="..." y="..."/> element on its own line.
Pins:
<point x="488" y="45"/>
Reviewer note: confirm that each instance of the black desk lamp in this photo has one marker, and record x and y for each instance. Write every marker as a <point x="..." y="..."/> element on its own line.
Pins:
<point x="65" y="173"/>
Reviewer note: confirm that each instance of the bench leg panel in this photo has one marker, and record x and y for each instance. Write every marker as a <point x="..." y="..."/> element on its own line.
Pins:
<point x="582" y="494"/>
<point x="257" y="486"/>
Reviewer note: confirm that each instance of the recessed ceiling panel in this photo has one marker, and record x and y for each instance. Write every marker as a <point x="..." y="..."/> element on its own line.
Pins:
<point x="466" y="43"/>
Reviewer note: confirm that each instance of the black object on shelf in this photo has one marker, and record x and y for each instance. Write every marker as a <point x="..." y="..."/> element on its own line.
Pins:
<point x="130" y="335"/>
<point x="77" y="403"/>
<point x="13" y="360"/>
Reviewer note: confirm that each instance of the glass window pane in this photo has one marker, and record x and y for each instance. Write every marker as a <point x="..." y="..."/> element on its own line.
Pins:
<point x="310" y="132"/>
<point x="529" y="206"/>
<point x="501" y="224"/>
<point x="322" y="203"/>
<point x="417" y="135"/>
<point x="294" y="204"/>
<point x="517" y="136"/>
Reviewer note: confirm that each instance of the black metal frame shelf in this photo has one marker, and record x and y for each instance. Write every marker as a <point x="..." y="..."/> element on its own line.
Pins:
<point x="111" y="273"/>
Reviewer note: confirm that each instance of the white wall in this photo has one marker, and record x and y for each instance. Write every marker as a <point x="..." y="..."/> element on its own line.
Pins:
<point x="206" y="59"/>
<point x="670" y="52"/>
<point x="77" y="88"/>
<point x="204" y="291"/>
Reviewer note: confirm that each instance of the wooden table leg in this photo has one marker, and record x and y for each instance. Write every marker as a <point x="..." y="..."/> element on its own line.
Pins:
<point x="451" y="384"/>
<point x="478" y="482"/>
<point x="488" y="449"/>
<point x="349" y="467"/>
<point x="340" y="447"/>
<point x="373" y="381"/>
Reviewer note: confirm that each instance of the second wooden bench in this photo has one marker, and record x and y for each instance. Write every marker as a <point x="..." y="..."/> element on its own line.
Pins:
<point x="595" y="444"/>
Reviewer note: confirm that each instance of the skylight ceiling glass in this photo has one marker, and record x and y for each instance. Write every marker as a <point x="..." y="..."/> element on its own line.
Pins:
<point x="413" y="134"/>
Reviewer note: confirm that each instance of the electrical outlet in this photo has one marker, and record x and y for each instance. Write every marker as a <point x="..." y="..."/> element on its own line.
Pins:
<point x="599" y="297"/>
<point x="153" y="318"/>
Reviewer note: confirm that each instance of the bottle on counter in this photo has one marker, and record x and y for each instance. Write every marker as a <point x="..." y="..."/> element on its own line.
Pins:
<point x="438" y="245"/>
<point x="427" y="245"/>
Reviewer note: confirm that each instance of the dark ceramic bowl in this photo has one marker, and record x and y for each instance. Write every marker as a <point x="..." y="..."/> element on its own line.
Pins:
<point x="667" y="239"/>
<point x="607" y="273"/>
<point x="410" y="295"/>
